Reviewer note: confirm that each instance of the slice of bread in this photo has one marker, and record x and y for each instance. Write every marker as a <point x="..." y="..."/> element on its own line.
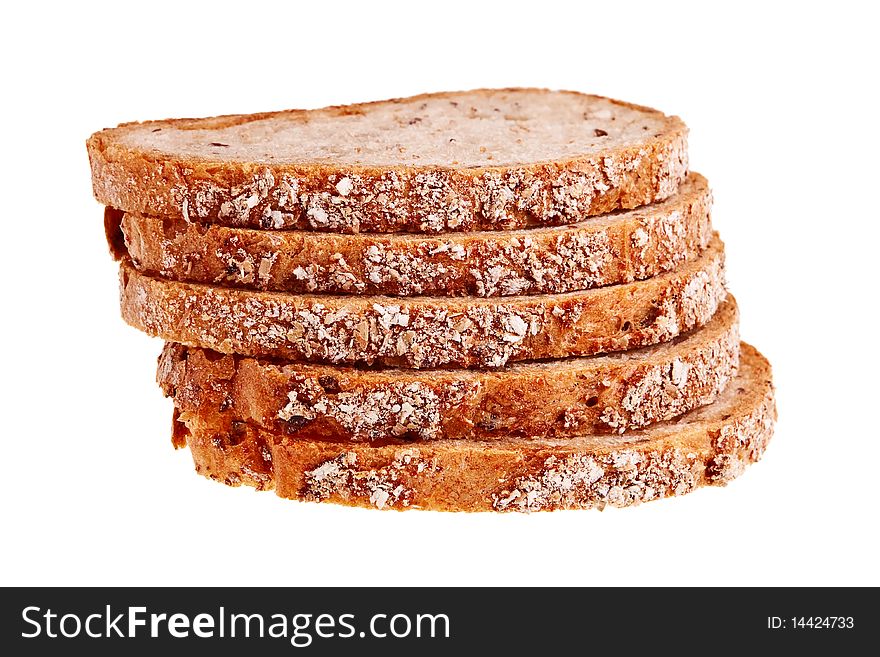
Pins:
<point x="422" y="332"/>
<point x="608" y="250"/>
<point x="485" y="159"/>
<point x="598" y="394"/>
<point x="708" y="446"/>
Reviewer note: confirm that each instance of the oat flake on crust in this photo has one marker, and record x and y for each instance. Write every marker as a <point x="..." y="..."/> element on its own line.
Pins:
<point x="382" y="486"/>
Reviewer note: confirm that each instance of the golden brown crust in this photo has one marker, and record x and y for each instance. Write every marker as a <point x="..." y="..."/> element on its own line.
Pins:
<point x="618" y="248"/>
<point x="599" y="394"/>
<point x="427" y="332"/>
<point x="351" y="198"/>
<point x="708" y="446"/>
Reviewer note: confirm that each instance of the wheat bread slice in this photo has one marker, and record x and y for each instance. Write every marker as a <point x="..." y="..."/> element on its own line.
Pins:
<point x="423" y="332"/>
<point x="484" y="159"/>
<point x="617" y="248"/>
<point x="708" y="446"/>
<point x="597" y="394"/>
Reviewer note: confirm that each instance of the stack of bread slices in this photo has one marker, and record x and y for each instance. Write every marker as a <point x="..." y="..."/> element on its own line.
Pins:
<point x="507" y="300"/>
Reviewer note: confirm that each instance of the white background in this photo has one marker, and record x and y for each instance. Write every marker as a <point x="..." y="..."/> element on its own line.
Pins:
<point x="780" y="99"/>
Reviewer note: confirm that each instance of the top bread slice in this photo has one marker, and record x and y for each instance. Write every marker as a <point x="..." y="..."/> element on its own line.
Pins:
<point x="484" y="159"/>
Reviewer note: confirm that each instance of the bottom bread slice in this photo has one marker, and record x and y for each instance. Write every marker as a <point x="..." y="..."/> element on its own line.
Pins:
<point x="708" y="446"/>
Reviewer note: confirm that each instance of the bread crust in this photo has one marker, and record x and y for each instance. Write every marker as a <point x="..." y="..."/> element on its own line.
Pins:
<point x="598" y="394"/>
<point x="620" y="248"/>
<point x="351" y="198"/>
<point x="709" y="446"/>
<point x="427" y="332"/>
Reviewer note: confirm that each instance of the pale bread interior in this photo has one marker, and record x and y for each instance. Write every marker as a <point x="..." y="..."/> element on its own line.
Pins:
<point x="464" y="129"/>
